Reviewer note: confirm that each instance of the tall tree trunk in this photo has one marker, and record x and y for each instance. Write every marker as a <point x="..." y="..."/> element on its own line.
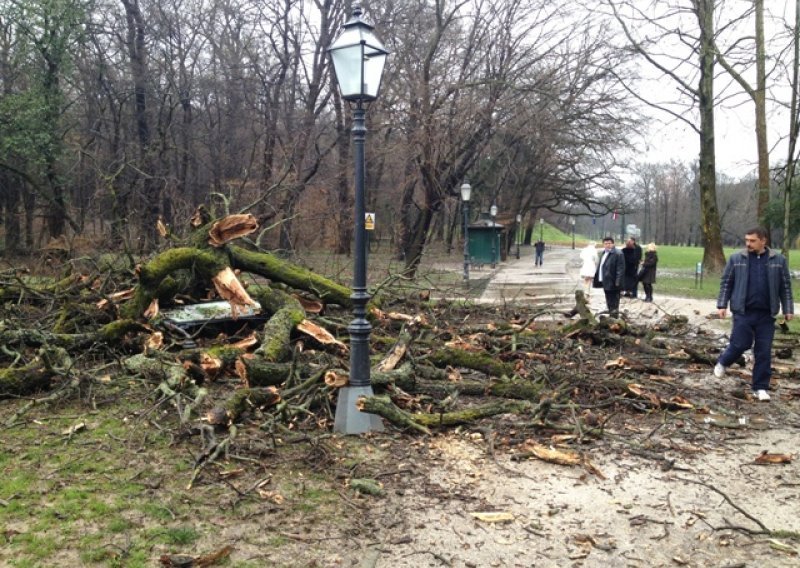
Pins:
<point x="9" y="203"/>
<point x="794" y="129"/>
<point x="761" y="116"/>
<point x="416" y="245"/>
<point x="137" y="54"/>
<point x="713" y="256"/>
<point x="29" y="203"/>
<point x="344" y="200"/>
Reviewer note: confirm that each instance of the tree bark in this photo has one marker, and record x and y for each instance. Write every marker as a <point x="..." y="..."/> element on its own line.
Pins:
<point x="713" y="256"/>
<point x="477" y="360"/>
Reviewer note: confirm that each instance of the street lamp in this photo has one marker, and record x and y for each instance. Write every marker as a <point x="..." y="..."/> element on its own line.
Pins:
<point x="541" y="229"/>
<point x="358" y="58"/>
<point x="572" y="222"/>
<point x="519" y="224"/>
<point x="493" y="214"/>
<point x="466" y="192"/>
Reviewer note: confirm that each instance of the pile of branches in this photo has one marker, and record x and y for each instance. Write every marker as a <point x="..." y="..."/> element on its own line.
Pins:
<point x="435" y="364"/>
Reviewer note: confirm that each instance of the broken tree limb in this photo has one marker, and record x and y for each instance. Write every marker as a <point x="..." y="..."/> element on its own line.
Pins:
<point x="286" y="314"/>
<point x="414" y="379"/>
<point x="35" y="376"/>
<point x="270" y="266"/>
<point x="257" y="372"/>
<point x="157" y="280"/>
<point x="383" y="406"/>
<point x="581" y="308"/>
<point x="477" y="360"/>
<point x="247" y="399"/>
<point x="109" y="334"/>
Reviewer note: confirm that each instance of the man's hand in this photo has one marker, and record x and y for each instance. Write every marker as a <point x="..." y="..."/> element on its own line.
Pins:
<point x="788" y="317"/>
<point x="722" y="312"/>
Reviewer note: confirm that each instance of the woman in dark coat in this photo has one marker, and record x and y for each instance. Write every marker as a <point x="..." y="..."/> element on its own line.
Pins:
<point x="647" y="275"/>
<point x="633" y="256"/>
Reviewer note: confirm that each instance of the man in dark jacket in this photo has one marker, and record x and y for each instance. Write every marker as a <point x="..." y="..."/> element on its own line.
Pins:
<point x="757" y="284"/>
<point x="538" y="248"/>
<point x="610" y="274"/>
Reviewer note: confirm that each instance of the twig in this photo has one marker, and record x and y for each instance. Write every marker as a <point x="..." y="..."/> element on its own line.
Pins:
<point x="764" y="529"/>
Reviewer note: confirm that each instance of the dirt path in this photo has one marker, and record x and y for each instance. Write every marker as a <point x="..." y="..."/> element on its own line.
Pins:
<point x="666" y="487"/>
<point x="669" y="489"/>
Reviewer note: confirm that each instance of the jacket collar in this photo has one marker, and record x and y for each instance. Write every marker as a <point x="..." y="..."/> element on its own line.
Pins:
<point x="770" y="252"/>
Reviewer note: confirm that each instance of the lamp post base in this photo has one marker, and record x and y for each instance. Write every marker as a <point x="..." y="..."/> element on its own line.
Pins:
<point x="349" y="419"/>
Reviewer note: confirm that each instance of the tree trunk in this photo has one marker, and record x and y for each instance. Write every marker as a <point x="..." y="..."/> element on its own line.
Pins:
<point x="761" y="117"/>
<point x="713" y="256"/>
<point x="137" y="55"/>
<point x="10" y="193"/>
<point x="794" y="126"/>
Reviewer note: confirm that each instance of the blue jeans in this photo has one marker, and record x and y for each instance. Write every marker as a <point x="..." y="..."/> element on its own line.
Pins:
<point x="539" y="258"/>
<point x="756" y="330"/>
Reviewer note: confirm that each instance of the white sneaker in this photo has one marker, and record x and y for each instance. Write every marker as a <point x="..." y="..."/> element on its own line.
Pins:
<point x="719" y="371"/>
<point x="762" y="395"/>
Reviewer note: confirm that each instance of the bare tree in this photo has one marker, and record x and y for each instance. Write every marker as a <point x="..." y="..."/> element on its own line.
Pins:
<point x="794" y="129"/>
<point x="661" y="31"/>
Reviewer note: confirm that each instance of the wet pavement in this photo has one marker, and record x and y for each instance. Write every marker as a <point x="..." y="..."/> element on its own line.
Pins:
<point x="553" y="285"/>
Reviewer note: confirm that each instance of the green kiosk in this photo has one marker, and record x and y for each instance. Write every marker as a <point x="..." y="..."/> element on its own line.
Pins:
<point x="485" y="241"/>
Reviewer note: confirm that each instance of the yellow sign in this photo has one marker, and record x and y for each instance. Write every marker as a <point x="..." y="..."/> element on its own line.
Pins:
<point x="369" y="221"/>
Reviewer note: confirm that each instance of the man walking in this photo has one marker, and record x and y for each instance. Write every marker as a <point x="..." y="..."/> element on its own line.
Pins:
<point x="757" y="284"/>
<point x="538" y="248"/>
<point x="610" y="274"/>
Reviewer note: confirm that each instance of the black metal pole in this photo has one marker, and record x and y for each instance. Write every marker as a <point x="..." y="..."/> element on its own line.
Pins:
<point x="359" y="328"/>
<point x="466" y="243"/>
<point x="573" y="236"/>
<point x="518" y="239"/>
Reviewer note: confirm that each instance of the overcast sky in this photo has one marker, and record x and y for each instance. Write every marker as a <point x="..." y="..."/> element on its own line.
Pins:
<point x="666" y="138"/>
<point x="735" y="141"/>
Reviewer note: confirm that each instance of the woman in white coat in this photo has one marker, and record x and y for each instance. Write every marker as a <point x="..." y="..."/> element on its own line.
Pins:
<point x="588" y="267"/>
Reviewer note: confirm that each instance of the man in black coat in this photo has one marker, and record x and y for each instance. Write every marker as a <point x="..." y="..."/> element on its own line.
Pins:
<point x="610" y="275"/>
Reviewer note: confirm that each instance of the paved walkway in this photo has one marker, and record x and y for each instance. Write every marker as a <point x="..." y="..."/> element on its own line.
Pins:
<point x="554" y="283"/>
<point x="520" y="281"/>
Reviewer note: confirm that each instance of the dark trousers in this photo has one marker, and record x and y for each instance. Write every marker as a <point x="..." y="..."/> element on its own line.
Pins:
<point x="612" y="301"/>
<point x="539" y="258"/>
<point x="648" y="291"/>
<point x="756" y="330"/>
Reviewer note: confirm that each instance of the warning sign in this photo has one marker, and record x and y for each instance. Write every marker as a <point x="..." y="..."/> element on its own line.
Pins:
<point x="369" y="221"/>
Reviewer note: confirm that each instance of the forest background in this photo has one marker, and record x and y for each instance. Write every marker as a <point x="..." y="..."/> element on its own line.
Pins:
<point x="114" y="115"/>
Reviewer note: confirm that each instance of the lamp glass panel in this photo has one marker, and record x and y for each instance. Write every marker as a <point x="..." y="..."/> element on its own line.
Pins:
<point x="466" y="192"/>
<point x="374" y="61"/>
<point x="347" y="63"/>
